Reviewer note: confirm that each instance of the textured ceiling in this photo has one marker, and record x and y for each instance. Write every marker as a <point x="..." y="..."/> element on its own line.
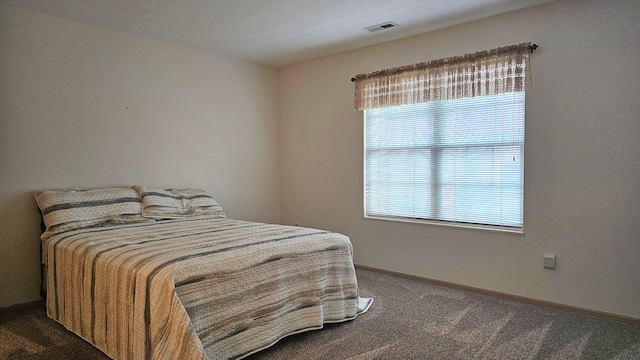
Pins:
<point x="274" y="32"/>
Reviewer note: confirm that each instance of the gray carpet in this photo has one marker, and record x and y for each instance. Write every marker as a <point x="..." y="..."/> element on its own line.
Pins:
<point x="409" y="319"/>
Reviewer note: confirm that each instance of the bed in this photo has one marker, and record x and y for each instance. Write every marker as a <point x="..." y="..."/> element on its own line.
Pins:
<point x="151" y="273"/>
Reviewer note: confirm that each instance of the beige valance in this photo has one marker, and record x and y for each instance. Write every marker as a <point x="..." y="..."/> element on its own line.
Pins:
<point x="489" y="72"/>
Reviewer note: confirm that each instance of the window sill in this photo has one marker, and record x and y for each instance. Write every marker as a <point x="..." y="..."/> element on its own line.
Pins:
<point x="514" y="231"/>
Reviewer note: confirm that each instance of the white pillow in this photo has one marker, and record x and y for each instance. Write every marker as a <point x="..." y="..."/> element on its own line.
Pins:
<point x="178" y="203"/>
<point x="69" y="209"/>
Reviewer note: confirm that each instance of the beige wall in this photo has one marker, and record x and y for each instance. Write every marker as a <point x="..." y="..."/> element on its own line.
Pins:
<point x="582" y="171"/>
<point x="84" y="106"/>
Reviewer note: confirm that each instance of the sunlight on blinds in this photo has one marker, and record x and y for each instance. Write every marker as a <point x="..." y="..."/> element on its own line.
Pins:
<point x="457" y="161"/>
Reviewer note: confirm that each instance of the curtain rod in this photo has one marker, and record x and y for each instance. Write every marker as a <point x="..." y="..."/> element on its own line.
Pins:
<point x="531" y="48"/>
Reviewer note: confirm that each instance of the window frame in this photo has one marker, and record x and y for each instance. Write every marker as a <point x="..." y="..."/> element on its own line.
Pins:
<point x="446" y="223"/>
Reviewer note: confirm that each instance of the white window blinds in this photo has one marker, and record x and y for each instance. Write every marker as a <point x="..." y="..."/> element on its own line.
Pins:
<point x="455" y="158"/>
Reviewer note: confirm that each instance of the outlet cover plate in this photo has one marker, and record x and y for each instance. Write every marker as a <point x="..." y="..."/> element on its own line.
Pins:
<point x="549" y="261"/>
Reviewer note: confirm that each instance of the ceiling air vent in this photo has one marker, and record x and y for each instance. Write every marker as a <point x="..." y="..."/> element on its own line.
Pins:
<point x="382" y="26"/>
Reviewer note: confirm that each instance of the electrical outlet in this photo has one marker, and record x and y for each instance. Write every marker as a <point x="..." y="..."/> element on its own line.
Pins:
<point x="549" y="261"/>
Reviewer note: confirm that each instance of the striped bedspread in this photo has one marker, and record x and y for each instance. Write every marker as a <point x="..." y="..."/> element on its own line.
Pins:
<point x="198" y="288"/>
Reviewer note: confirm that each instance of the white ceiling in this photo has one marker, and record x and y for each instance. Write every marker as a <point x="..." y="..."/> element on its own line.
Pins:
<point x="274" y="32"/>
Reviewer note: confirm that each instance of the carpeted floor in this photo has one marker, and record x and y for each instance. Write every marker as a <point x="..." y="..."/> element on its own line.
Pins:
<point x="409" y="319"/>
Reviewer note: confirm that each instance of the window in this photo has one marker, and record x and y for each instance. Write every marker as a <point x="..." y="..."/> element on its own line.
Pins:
<point x="454" y="159"/>
<point x="457" y="161"/>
